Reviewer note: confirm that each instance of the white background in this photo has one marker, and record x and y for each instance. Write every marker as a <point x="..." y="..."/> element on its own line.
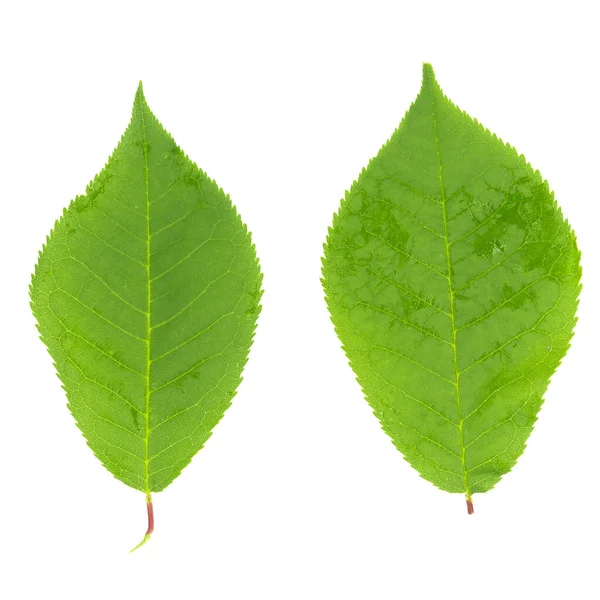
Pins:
<point x="298" y="494"/>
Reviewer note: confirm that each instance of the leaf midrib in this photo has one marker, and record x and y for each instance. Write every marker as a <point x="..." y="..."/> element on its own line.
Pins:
<point x="148" y="304"/>
<point x="456" y="382"/>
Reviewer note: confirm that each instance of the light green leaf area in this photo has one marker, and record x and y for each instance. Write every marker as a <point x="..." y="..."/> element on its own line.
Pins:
<point x="452" y="279"/>
<point x="146" y="295"/>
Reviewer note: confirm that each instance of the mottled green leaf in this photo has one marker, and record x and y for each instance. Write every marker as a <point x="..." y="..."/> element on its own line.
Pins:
<point x="146" y="295"/>
<point x="452" y="279"/>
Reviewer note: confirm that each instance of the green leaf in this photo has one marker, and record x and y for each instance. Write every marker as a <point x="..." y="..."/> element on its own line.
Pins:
<point x="146" y="295"/>
<point x="452" y="280"/>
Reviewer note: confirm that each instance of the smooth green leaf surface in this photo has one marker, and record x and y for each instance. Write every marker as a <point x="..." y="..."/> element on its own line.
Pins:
<point x="452" y="279"/>
<point x="146" y="295"/>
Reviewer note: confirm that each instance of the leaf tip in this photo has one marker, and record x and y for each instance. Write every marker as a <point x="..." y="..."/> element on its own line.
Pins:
<point x="139" y="94"/>
<point x="429" y="75"/>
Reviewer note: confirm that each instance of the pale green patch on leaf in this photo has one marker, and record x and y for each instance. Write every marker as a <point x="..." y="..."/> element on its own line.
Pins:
<point x="452" y="280"/>
<point x="147" y="295"/>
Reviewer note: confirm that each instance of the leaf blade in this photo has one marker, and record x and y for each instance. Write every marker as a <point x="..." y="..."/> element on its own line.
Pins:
<point x="443" y="237"/>
<point x="147" y="294"/>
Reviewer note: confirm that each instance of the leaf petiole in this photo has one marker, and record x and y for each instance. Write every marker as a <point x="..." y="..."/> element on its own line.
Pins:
<point x="470" y="509"/>
<point x="150" y="529"/>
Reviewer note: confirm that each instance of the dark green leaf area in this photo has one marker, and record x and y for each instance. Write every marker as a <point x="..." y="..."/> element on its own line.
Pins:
<point x="452" y="279"/>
